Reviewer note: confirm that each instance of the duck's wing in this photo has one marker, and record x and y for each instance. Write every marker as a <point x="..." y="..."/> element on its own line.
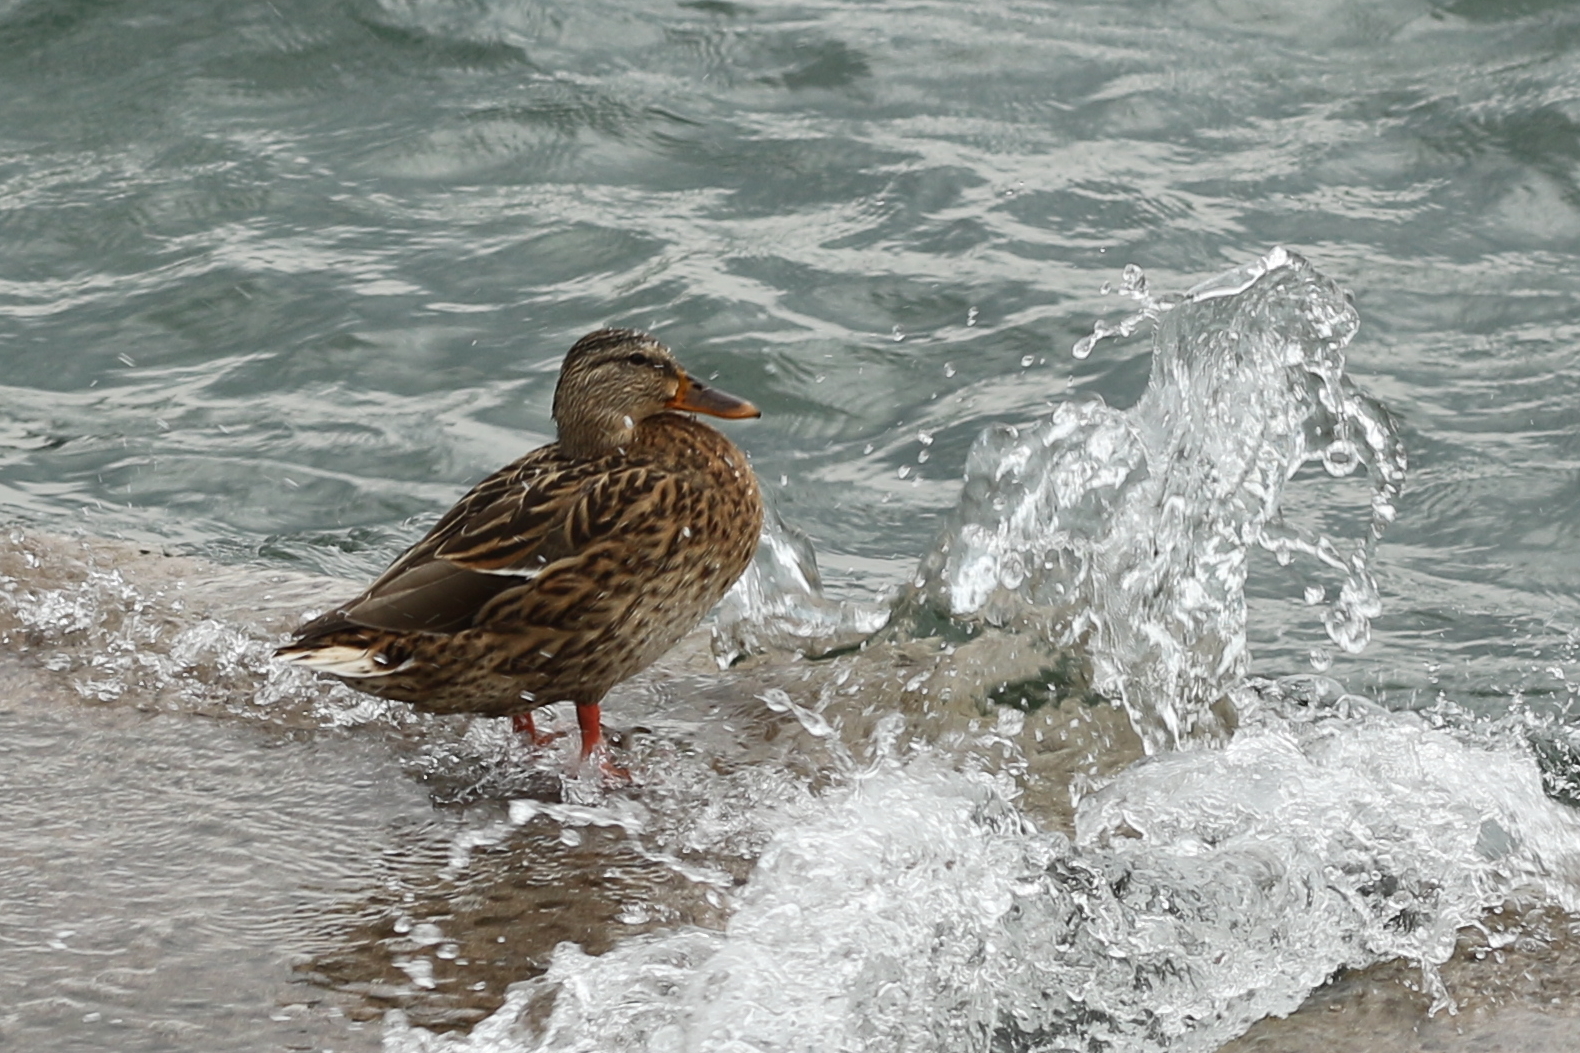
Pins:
<point x="513" y="526"/>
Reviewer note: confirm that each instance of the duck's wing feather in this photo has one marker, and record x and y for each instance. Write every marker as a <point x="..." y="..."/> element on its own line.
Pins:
<point x="508" y="530"/>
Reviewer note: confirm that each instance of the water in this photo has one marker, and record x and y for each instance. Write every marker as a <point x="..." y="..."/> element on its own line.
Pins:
<point x="1132" y="528"/>
<point x="281" y="280"/>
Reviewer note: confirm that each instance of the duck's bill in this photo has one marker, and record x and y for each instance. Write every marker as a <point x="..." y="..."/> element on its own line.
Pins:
<point x="699" y="398"/>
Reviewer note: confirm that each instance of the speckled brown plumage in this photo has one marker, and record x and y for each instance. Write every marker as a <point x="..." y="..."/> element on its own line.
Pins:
<point x="570" y="570"/>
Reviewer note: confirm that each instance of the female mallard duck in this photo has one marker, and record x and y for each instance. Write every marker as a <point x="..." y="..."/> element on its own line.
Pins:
<point x="570" y="570"/>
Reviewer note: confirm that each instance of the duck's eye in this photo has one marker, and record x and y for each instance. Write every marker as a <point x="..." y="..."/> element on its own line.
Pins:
<point x="639" y="359"/>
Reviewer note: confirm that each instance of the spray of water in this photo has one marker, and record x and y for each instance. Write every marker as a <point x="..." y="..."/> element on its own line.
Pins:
<point x="1125" y="533"/>
<point x="778" y="604"/>
<point x="916" y="906"/>
<point x="173" y="638"/>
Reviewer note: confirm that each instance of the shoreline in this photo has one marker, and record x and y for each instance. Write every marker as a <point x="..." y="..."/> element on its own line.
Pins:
<point x="186" y="636"/>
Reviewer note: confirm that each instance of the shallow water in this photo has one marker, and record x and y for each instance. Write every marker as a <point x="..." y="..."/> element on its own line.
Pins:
<point x="281" y="280"/>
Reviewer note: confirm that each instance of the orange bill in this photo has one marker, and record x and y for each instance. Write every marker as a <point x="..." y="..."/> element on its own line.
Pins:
<point x="699" y="398"/>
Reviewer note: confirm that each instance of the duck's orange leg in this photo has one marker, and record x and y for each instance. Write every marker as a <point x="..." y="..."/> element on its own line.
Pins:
<point x="589" y="718"/>
<point x="523" y="725"/>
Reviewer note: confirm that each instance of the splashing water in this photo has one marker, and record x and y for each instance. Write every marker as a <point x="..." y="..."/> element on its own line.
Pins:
<point x="168" y="640"/>
<point x="915" y="906"/>
<point x="1132" y="283"/>
<point x="1126" y="532"/>
<point x="779" y="603"/>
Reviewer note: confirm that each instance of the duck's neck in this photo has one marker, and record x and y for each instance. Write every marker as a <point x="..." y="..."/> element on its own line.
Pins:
<point x="592" y="435"/>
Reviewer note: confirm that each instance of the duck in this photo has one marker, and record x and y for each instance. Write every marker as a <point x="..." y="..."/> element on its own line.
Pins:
<point x="569" y="570"/>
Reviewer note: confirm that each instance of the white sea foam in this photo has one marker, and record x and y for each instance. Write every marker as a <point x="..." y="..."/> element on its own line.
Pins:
<point x="918" y="907"/>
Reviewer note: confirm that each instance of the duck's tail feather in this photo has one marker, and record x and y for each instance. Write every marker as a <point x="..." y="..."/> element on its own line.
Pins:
<point x="347" y="660"/>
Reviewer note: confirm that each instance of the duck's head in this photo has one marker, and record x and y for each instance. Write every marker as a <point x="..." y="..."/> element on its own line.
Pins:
<point x="614" y="379"/>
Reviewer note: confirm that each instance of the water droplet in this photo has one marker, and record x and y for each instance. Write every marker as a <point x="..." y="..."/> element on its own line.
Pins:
<point x="1012" y="571"/>
<point x="899" y="334"/>
<point x="419" y="969"/>
<point x="971" y="317"/>
<point x="949" y="369"/>
<point x="905" y="471"/>
<point x="1315" y="595"/>
<point x="1340" y="457"/>
<point x="426" y="933"/>
<point x="633" y="914"/>
<point x="1133" y="282"/>
<point x="1321" y="659"/>
<point x="1026" y="361"/>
